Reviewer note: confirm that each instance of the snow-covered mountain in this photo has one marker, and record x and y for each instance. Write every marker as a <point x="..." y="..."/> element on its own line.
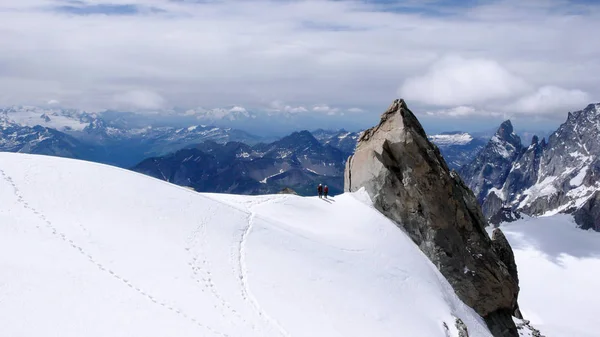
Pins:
<point x="114" y="140"/>
<point x="458" y="148"/>
<point x="560" y="175"/>
<point x="298" y="161"/>
<point x="341" y="139"/>
<point x="41" y="140"/>
<point x="58" y="119"/>
<point x="124" y="254"/>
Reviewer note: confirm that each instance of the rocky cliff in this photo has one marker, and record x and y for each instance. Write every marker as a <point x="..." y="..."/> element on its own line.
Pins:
<point x="561" y="175"/>
<point x="409" y="182"/>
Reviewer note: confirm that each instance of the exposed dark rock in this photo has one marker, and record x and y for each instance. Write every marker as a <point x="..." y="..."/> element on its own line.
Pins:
<point x="288" y="190"/>
<point x="505" y="214"/>
<point x="492" y="204"/>
<point x="524" y="325"/>
<point x="506" y="255"/>
<point x="588" y="216"/>
<point x="463" y="331"/>
<point x="409" y="182"/>
<point x="462" y="328"/>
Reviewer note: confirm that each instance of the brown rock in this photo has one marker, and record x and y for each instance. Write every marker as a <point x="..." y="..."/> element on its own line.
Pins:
<point x="409" y="182"/>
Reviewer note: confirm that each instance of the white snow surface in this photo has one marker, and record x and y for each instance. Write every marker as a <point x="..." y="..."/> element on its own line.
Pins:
<point x="578" y="179"/>
<point x="545" y="188"/>
<point x="451" y="139"/>
<point x="558" y="268"/>
<point x="93" y="250"/>
<point x="502" y="147"/>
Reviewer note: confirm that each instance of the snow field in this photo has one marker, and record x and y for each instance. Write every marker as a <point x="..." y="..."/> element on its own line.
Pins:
<point x="558" y="267"/>
<point x="91" y="250"/>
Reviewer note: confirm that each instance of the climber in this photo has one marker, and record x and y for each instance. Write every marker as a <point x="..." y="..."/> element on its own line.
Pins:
<point x="320" y="190"/>
<point x="326" y="191"/>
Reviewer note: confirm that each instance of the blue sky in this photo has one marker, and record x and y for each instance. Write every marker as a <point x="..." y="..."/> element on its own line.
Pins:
<point x="458" y="64"/>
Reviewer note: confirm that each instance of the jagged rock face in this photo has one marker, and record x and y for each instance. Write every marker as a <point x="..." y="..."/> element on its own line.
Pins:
<point x="492" y="204"/>
<point x="409" y="181"/>
<point x="506" y="255"/>
<point x="491" y="166"/>
<point x="505" y="214"/>
<point x="589" y="214"/>
<point x="525" y="170"/>
<point x="561" y="175"/>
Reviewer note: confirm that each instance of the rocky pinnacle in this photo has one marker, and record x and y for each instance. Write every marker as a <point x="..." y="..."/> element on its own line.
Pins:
<point x="409" y="181"/>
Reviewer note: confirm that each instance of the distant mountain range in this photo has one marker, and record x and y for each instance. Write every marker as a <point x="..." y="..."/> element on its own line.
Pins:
<point x="458" y="148"/>
<point x="41" y="140"/>
<point x="225" y="159"/>
<point x="298" y="161"/>
<point x="113" y="141"/>
<point x="560" y="175"/>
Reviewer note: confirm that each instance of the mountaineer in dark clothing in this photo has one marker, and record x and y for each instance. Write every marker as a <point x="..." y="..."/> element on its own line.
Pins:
<point x="320" y="190"/>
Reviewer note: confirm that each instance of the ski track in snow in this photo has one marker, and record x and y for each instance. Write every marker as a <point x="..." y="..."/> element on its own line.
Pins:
<point x="58" y="234"/>
<point x="201" y="270"/>
<point x="247" y="294"/>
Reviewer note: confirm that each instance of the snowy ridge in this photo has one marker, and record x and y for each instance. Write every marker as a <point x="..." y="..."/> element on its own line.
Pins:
<point x="176" y="262"/>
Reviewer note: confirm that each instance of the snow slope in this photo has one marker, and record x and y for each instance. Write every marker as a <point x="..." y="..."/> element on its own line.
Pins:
<point x="92" y="250"/>
<point x="558" y="267"/>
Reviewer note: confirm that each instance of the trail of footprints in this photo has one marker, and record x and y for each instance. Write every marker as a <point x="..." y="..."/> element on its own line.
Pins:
<point x="201" y="269"/>
<point x="238" y="255"/>
<point x="64" y="238"/>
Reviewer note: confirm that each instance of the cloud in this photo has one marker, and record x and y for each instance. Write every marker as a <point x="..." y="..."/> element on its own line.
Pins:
<point x="463" y="111"/>
<point x="551" y="99"/>
<point x="355" y="110"/>
<point x="53" y="102"/>
<point x="346" y="53"/>
<point x="326" y="109"/>
<point x="280" y="107"/>
<point x="139" y="100"/>
<point x="455" y="80"/>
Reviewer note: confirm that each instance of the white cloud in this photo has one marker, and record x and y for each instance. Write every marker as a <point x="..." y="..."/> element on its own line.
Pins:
<point x="463" y="111"/>
<point x="238" y="109"/>
<point x="345" y="53"/>
<point x="53" y="102"/>
<point x="324" y="108"/>
<point x="139" y="99"/>
<point x="551" y="99"/>
<point x="455" y="80"/>
<point x="279" y="106"/>
<point x="355" y="110"/>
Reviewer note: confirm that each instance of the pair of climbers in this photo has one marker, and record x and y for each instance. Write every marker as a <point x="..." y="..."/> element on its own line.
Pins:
<point x="323" y="191"/>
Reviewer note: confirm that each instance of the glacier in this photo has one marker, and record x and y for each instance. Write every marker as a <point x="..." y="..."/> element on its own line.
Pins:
<point x="558" y="267"/>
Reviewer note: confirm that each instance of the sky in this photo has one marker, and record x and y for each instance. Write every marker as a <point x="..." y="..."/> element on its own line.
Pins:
<point x="458" y="64"/>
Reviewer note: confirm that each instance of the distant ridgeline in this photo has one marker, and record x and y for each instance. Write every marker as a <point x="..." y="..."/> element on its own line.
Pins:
<point x="298" y="161"/>
<point x="560" y="174"/>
